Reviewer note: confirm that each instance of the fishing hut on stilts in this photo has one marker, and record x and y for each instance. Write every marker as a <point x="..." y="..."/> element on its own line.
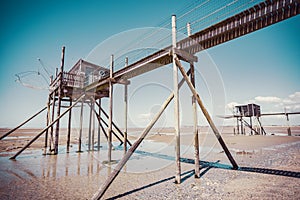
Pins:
<point x="87" y="83"/>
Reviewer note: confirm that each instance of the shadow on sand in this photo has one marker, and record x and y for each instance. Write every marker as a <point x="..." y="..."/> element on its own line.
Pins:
<point x="207" y="166"/>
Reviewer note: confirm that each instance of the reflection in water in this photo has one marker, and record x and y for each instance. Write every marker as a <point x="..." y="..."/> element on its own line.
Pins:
<point x="32" y="164"/>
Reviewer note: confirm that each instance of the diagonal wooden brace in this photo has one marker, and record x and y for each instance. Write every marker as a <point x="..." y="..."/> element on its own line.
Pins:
<point x="135" y="145"/>
<point x="206" y="114"/>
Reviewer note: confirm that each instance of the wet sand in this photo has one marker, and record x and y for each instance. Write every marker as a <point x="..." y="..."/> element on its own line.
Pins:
<point x="269" y="167"/>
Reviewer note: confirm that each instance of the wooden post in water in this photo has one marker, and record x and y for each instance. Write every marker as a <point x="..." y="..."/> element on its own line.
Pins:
<point x="99" y="126"/>
<point x="51" y="143"/>
<point x="80" y="128"/>
<point x="59" y="100"/>
<point x="136" y="144"/>
<point x="90" y="126"/>
<point x="93" y="128"/>
<point x="176" y="104"/>
<point x="47" y="123"/>
<point x="69" y="127"/>
<point x="110" y="108"/>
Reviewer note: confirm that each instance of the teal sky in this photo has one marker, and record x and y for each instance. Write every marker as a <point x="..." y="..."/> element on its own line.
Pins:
<point x="262" y="67"/>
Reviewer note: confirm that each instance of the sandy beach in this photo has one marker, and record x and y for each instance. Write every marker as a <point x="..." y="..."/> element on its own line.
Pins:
<point x="269" y="167"/>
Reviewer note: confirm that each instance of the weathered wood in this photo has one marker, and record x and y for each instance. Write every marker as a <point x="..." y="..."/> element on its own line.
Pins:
<point x="80" y="128"/>
<point x="47" y="123"/>
<point x="40" y="133"/>
<point x="114" y="125"/>
<point x="176" y="105"/>
<point x="125" y="110"/>
<point x="23" y="123"/>
<point x="59" y="100"/>
<point x="196" y="137"/>
<point x="90" y="126"/>
<point x="207" y="116"/>
<point x="136" y="144"/>
<point x="99" y="126"/>
<point x="107" y="125"/>
<point x="69" y="127"/>
<point x="110" y="108"/>
<point x="125" y="116"/>
<point x="93" y="128"/>
<point x="51" y="142"/>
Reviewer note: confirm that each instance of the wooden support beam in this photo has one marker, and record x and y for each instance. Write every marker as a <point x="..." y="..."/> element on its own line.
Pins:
<point x="176" y="105"/>
<point x="107" y="125"/>
<point x="99" y="126"/>
<point x="207" y="116"/>
<point x="23" y="123"/>
<point x="47" y="123"/>
<point x="125" y="116"/>
<point x="93" y="128"/>
<point x="59" y="99"/>
<point x="114" y="125"/>
<point x="125" y="111"/>
<point x="80" y="128"/>
<point x="136" y="144"/>
<point x="51" y="124"/>
<point x="69" y="127"/>
<point x="196" y="137"/>
<point x="110" y="108"/>
<point x="90" y="127"/>
<point x="51" y="142"/>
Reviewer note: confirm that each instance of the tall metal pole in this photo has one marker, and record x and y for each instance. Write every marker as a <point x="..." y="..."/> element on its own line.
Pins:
<point x="110" y="109"/>
<point x="176" y="104"/>
<point x="59" y="100"/>
<point x="125" y="110"/>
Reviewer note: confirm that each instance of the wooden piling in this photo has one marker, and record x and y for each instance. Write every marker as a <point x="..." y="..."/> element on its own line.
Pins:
<point x="40" y="133"/>
<point x="69" y="127"/>
<point x="80" y="127"/>
<point x="125" y="111"/>
<point x="288" y="125"/>
<point x="51" y="142"/>
<point x="176" y="105"/>
<point x="59" y="100"/>
<point x="90" y="126"/>
<point x="237" y="126"/>
<point x="23" y="123"/>
<point x="130" y="151"/>
<point x="207" y="116"/>
<point x="110" y="108"/>
<point x="196" y="137"/>
<point x="47" y="123"/>
<point x="99" y="126"/>
<point x="93" y="128"/>
<point x="251" y="128"/>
